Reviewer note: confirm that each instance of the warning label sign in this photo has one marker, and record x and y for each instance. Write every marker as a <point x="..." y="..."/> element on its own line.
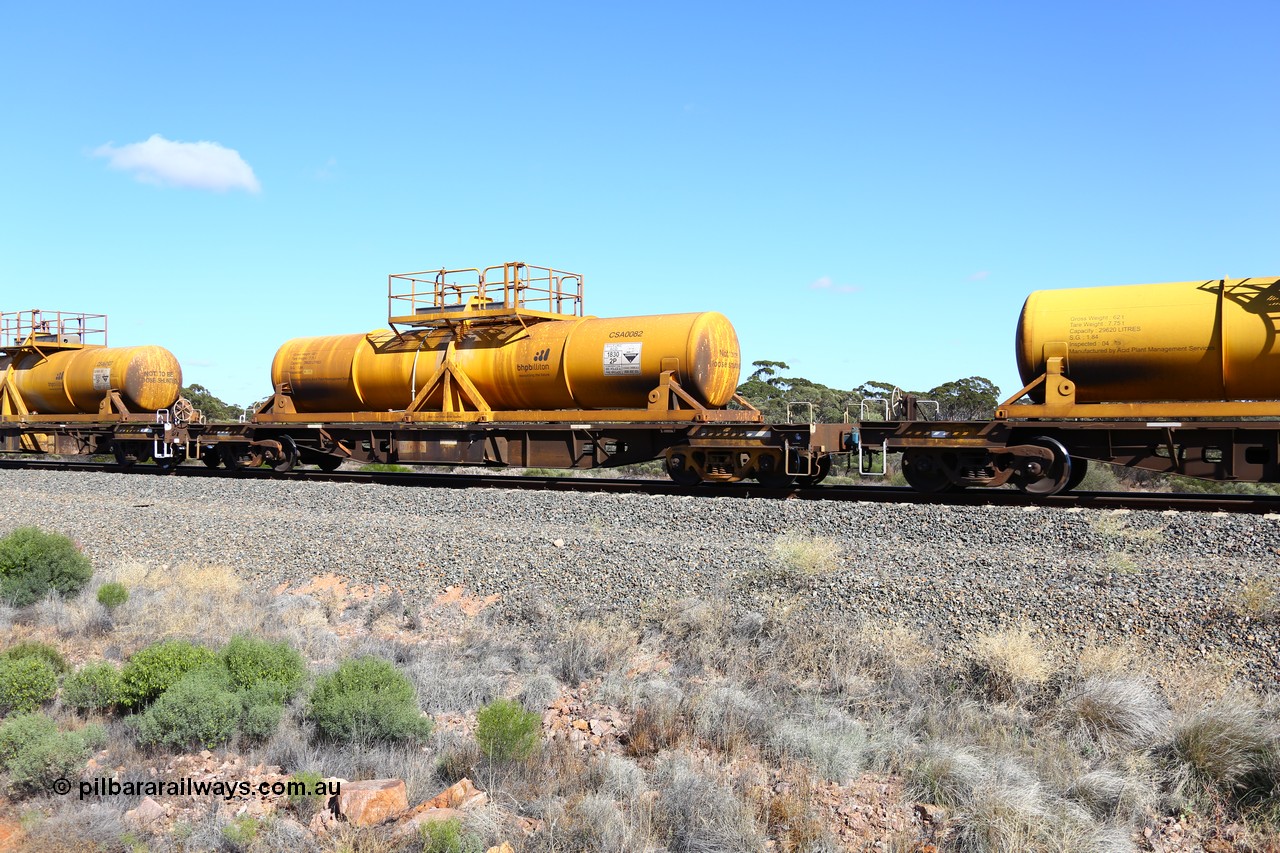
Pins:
<point x="102" y="378"/>
<point x="622" y="359"/>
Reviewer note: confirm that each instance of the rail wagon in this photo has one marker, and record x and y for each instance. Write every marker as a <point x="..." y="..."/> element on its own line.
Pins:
<point x="1180" y="377"/>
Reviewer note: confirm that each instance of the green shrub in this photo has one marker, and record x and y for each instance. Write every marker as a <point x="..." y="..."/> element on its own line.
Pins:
<point x="35" y="649"/>
<point x="251" y="661"/>
<point x="154" y="669"/>
<point x="446" y="836"/>
<point x="506" y="731"/>
<point x="36" y="754"/>
<point x="93" y="687"/>
<point x="242" y="832"/>
<point x="199" y="711"/>
<point x="262" y="714"/>
<point x="112" y="595"/>
<point x="32" y="562"/>
<point x="367" y="699"/>
<point x="307" y="802"/>
<point x="26" y="684"/>
<point x="16" y="733"/>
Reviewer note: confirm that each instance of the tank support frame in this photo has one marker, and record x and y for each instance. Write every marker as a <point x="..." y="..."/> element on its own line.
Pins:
<point x="1060" y="401"/>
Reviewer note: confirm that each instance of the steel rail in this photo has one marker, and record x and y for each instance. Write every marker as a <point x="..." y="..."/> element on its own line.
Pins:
<point x="1160" y="501"/>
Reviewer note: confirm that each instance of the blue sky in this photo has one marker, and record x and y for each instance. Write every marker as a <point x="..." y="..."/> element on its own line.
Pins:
<point x="867" y="191"/>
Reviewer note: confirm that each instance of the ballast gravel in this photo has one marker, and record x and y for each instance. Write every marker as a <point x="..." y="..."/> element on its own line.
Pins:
<point x="1175" y="583"/>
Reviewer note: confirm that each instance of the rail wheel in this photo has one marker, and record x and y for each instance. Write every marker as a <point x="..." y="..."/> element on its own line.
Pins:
<point x="924" y="472"/>
<point x="681" y="472"/>
<point x="772" y="474"/>
<point x="126" y="457"/>
<point x="230" y="456"/>
<point x="288" y="456"/>
<point x="211" y="457"/>
<point x="1056" y="476"/>
<point x="824" y="468"/>
<point x="328" y="463"/>
<point x="1079" y="468"/>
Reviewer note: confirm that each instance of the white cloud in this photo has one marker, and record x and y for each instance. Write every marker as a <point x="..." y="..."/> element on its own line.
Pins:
<point x="980" y="275"/>
<point x="825" y="283"/>
<point x="193" y="165"/>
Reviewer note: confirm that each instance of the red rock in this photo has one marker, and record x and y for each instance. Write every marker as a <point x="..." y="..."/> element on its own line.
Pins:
<point x="931" y="814"/>
<point x="372" y="802"/>
<point x="421" y="815"/>
<point x="460" y="795"/>
<point x="147" y="812"/>
<point x="10" y="835"/>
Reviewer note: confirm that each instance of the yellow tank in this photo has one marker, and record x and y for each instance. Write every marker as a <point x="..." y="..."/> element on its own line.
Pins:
<point x="76" y="381"/>
<point x="1189" y="340"/>
<point x="583" y="363"/>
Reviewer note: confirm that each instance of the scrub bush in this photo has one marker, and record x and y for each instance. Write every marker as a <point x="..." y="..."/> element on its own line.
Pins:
<point x="199" y="711"/>
<point x="506" y="731"/>
<point x="112" y="595"/>
<point x="250" y="661"/>
<point x="17" y="733"/>
<point x="36" y="649"/>
<point x="308" y="802"/>
<point x="93" y="687"/>
<point x="446" y="836"/>
<point x="367" y="699"/>
<point x="263" y="709"/>
<point x="35" y="753"/>
<point x="33" y="562"/>
<point x="152" y="670"/>
<point x="26" y="684"/>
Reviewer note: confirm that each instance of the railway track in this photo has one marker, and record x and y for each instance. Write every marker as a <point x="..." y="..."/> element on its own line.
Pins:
<point x="1160" y="501"/>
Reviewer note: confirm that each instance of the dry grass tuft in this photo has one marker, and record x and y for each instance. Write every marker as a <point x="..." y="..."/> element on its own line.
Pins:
<point x="1010" y="664"/>
<point x="729" y="719"/>
<point x="1227" y="747"/>
<point x="803" y="557"/>
<point x="998" y="818"/>
<point x="789" y="817"/>
<point x="1117" y="527"/>
<point x="587" y="648"/>
<point x="1116" y="713"/>
<point x="698" y="811"/>
<point x="183" y="601"/>
<point x="945" y="775"/>
<point x="1110" y="659"/>
<point x="1111" y="794"/>
<point x="1259" y="599"/>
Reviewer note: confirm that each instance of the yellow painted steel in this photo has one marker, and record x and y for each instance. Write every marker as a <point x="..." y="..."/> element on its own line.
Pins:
<point x="582" y="363"/>
<point x="71" y="381"/>
<point x="1189" y="340"/>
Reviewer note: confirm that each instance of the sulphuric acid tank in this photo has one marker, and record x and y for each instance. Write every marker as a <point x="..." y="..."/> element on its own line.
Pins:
<point x="75" y="381"/>
<point x="582" y="363"/>
<point x="1187" y="340"/>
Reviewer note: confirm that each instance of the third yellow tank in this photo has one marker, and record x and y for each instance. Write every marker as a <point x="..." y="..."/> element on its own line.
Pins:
<point x="1188" y="340"/>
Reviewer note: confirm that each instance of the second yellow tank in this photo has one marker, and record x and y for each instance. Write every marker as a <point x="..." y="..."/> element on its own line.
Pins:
<point x="582" y="363"/>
